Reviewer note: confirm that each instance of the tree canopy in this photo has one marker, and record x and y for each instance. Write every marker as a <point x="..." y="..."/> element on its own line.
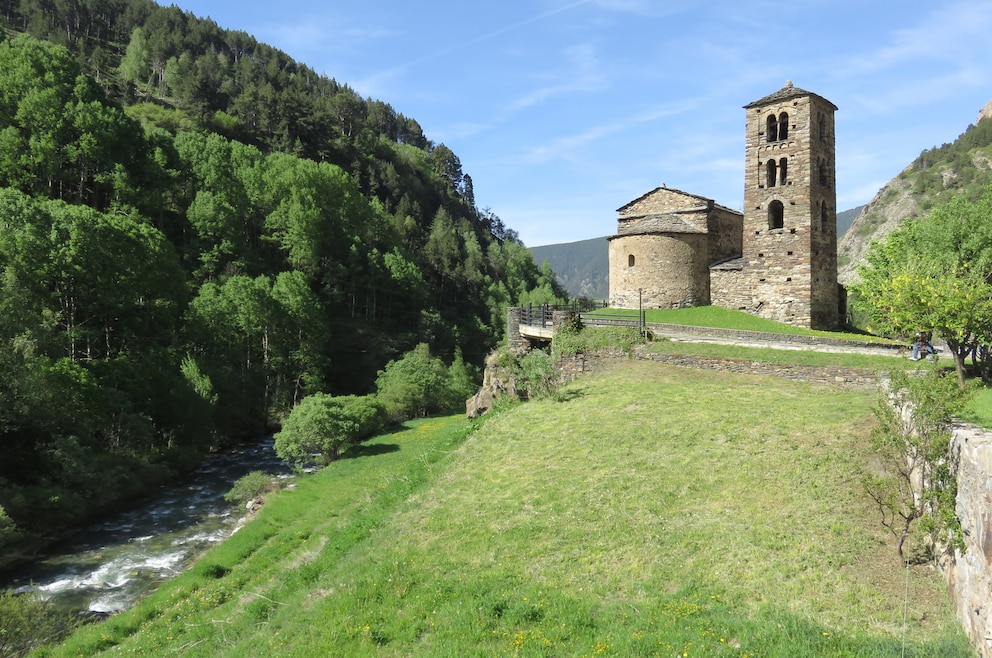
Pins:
<point x="197" y="233"/>
<point x="935" y="275"/>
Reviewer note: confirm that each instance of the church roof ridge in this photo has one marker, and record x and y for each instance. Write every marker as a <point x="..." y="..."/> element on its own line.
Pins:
<point x="667" y="189"/>
<point x="785" y="93"/>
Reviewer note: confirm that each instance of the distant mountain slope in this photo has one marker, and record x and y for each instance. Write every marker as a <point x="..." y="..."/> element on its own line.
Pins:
<point x="963" y="167"/>
<point x="582" y="267"/>
<point x="846" y="218"/>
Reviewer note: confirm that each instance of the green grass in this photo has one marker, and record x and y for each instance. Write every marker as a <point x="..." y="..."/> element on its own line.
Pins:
<point x="715" y="316"/>
<point x="880" y="363"/>
<point x="653" y="512"/>
<point x="979" y="409"/>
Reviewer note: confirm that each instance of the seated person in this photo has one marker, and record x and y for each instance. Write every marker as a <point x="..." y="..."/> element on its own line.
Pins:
<point x="922" y="344"/>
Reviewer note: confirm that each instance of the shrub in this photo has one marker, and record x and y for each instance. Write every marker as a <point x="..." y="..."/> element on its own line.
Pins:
<point x="536" y="374"/>
<point x="913" y="485"/>
<point x="322" y="425"/>
<point x="27" y="622"/>
<point x="249" y="487"/>
<point x="419" y="384"/>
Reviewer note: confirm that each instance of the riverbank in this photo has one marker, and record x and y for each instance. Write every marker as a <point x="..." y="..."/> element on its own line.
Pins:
<point x="654" y="509"/>
<point x="111" y="563"/>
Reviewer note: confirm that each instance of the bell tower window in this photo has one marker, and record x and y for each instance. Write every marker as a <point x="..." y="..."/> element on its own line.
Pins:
<point x="776" y="215"/>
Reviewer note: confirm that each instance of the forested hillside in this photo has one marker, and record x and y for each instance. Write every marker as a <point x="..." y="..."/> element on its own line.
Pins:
<point x="196" y="232"/>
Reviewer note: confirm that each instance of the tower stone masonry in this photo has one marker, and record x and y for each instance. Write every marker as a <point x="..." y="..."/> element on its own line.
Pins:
<point x="778" y="260"/>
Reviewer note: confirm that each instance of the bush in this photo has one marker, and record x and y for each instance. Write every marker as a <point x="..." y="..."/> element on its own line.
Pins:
<point x="419" y="384"/>
<point x="322" y="425"/>
<point x="536" y="374"/>
<point x="27" y="622"/>
<point x="249" y="487"/>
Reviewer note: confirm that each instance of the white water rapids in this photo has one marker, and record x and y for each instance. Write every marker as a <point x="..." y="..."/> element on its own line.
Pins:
<point x="111" y="565"/>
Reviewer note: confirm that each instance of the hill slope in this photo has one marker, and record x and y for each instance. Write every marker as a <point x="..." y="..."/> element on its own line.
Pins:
<point x="572" y="528"/>
<point x="963" y="167"/>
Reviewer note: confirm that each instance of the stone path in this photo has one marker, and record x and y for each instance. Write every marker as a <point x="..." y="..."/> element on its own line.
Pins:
<point x="836" y="376"/>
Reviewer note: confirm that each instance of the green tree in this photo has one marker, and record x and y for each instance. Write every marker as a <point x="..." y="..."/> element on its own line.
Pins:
<point x="136" y="66"/>
<point x="414" y="385"/>
<point x="935" y="274"/>
<point x="60" y="135"/>
<point x="322" y="425"/>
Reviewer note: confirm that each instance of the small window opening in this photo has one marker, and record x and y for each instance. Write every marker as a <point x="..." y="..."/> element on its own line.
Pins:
<point x="630" y="260"/>
<point x="783" y="126"/>
<point x="770" y="173"/>
<point x="776" y="215"/>
<point x="771" y="128"/>
<point x="783" y="170"/>
<point x="822" y="166"/>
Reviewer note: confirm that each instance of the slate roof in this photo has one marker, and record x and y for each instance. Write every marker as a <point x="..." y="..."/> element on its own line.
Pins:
<point x="658" y="223"/>
<point x="735" y="263"/>
<point x="787" y="92"/>
<point x="705" y="201"/>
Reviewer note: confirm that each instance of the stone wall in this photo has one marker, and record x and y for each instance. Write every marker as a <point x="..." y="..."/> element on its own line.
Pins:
<point x="513" y="337"/>
<point x="969" y="575"/>
<point x="726" y="234"/>
<point x="669" y="271"/>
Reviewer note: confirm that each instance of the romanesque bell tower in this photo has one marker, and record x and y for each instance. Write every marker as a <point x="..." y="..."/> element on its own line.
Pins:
<point x="790" y="209"/>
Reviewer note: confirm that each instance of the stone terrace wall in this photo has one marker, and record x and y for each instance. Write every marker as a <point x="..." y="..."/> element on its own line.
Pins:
<point x="969" y="575"/>
<point x="663" y="328"/>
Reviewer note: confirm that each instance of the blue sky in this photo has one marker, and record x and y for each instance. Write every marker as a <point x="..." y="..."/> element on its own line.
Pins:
<point x="562" y="110"/>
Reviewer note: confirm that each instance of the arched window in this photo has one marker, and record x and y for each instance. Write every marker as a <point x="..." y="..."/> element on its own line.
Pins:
<point x="783" y="170"/>
<point x="822" y="166"/>
<point x="770" y="173"/>
<point x="776" y="215"/>
<point x="783" y="126"/>
<point x="771" y="128"/>
<point x="630" y="260"/>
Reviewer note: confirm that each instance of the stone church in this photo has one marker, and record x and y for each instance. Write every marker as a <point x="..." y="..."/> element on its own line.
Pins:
<point x="777" y="260"/>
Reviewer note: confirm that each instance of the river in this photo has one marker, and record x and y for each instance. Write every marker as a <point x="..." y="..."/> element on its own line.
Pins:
<point x="111" y="565"/>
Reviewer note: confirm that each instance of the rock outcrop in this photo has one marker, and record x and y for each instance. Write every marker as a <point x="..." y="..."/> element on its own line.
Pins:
<point x="497" y="380"/>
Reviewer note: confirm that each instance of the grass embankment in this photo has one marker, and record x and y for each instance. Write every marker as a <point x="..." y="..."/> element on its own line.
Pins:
<point x="654" y="512"/>
<point x="725" y="318"/>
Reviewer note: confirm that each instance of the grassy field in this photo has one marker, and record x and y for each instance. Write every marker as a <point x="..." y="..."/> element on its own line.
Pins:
<point x="653" y="512"/>
<point x="714" y="316"/>
<point x="879" y="363"/>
